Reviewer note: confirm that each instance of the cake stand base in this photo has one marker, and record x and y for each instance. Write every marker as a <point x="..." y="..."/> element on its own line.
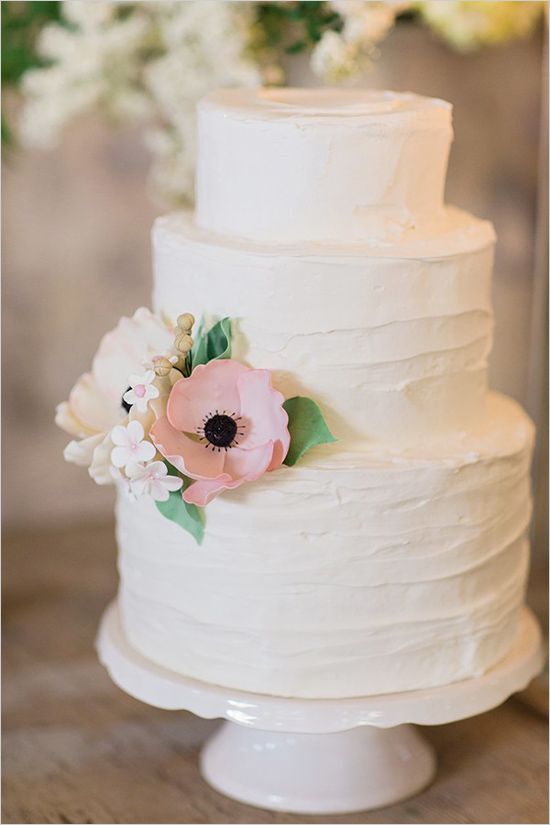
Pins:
<point x="318" y="756"/>
<point x="313" y="773"/>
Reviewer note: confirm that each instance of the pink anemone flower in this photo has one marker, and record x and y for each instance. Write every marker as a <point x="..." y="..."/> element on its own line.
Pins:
<point x="224" y="425"/>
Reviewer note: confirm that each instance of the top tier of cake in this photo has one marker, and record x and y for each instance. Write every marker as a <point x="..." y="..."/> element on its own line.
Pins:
<point x="287" y="165"/>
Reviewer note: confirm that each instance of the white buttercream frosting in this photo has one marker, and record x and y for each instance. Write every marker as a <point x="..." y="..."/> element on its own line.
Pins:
<point x="392" y="341"/>
<point x="395" y="558"/>
<point x="316" y="164"/>
<point x="350" y="573"/>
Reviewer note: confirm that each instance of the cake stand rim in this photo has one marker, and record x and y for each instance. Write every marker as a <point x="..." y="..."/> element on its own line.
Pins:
<point x="162" y="688"/>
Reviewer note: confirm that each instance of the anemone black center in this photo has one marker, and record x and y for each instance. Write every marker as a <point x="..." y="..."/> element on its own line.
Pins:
<point x="220" y="430"/>
<point x="124" y="404"/>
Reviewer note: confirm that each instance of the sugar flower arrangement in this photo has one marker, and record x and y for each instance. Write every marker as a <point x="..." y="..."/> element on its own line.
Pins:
<point x="170" y="415"/>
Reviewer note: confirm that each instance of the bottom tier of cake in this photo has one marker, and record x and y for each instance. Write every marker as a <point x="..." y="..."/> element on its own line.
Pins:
<point x="352" y="573"/>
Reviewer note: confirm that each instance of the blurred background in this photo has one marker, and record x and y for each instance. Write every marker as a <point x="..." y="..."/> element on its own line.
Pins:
<point x="98" y="138"/>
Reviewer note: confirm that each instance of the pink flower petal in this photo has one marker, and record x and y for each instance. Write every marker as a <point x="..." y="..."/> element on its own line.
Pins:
<point x="280" y="449"/>
<point x="248" y="465"/>
<point x="263" y="415"/>
<point x="210" y="387"/>
<point x="190" y="457"/>
<point x="202" y="492"/>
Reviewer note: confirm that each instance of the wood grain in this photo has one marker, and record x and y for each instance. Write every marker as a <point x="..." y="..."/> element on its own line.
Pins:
<point x="76" y="749"/>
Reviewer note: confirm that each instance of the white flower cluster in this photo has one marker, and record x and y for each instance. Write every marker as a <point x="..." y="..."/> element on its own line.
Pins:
<point x="202" y="47"/>
<point x="133" y="465"/>
<point x="94" y="61"/>
<point x="150" y="64"/>
<point x="338" y="56"/>
<point x="111" y="409"/>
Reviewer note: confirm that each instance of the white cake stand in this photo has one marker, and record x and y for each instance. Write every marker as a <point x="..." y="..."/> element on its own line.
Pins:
<point x="318" y="756"/>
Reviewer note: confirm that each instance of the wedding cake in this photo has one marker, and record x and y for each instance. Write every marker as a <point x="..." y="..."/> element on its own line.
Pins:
<point x="394" y="557"/>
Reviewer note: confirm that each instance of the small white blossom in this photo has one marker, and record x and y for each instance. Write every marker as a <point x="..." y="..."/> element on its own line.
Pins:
<point x="95" y="62"/>
<point x="142" y="390"/>
<point x="338" y="56"/>
<point x="151" y="64"/>
<point x="203" y="46"/>
<point x="370" y="27"/>
<point x="130" y="448"/>
<point x="153" y="480"/>
<point x="123" y="482"/>
<point x="88" y="15"/>
<point x="333" y="57"/>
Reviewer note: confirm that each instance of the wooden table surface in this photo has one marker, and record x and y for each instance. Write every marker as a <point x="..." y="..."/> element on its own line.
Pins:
<point x="77" y="749"/>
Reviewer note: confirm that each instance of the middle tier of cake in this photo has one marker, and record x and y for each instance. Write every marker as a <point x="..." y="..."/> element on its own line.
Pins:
<point x="390" y="340"/>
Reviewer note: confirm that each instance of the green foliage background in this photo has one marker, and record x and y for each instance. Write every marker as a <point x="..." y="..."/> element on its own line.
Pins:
<point x="280" y="27"/>
<point x="21" y="24"/>
<point x="289" y="27"/>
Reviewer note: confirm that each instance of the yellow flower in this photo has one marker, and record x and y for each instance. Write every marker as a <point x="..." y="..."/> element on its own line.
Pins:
<point x="469" y="24"/>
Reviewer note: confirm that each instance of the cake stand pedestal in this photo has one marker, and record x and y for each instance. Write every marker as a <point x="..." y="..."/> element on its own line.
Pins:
<point x="318" y="756"/>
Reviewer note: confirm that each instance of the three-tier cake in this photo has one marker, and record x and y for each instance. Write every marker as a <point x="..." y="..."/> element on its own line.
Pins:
<point x="396" y="557"/>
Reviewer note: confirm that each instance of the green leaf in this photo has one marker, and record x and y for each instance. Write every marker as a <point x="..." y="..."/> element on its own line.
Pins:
<point x="307" y="427"/>
<point x="21" y="25"/>
<point x="296" y="47"/>
<point x="212" y="345"/>
<point x="7" y="136"/>
<point x="186" y="515"/>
